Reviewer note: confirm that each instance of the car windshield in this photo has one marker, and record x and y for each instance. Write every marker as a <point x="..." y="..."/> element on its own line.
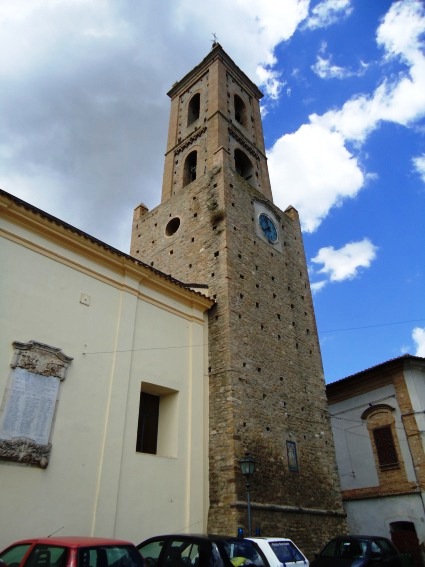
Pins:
<point x="243" y="552"/>
<point x="286" y="551"/>
<point x="45" y="556"/>
<point x="14" y="554"/>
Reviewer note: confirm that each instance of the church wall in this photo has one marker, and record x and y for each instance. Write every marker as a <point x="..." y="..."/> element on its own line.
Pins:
<point x="134" y="326"/>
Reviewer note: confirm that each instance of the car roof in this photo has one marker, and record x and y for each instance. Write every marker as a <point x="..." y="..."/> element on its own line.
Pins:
<point x="73" y="541"/>
<point x="360" y="537"/>
<point x="197" y="537"/>
<point x="269" y="539"/>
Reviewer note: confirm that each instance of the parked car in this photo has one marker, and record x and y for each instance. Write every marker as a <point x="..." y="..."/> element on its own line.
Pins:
<point x="281" y="550"/>
<point x="201" y="551"/>
<point x="358" y="551"/>
<point x="71" y="552"/>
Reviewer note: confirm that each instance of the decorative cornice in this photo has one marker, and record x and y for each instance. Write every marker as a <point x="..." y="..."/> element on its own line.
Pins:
<point x="244" y="143"/>
<point x="373" y="408"/>
<point x="189" y="141"/>
<point x="216" y="54"/>
<point x="41" y="359"/>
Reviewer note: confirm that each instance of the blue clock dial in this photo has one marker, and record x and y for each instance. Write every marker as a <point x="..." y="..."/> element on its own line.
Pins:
<point x="268" y="227"/>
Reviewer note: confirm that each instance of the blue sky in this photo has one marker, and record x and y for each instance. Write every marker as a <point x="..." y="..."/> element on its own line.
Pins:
<point x="84" y="116"/>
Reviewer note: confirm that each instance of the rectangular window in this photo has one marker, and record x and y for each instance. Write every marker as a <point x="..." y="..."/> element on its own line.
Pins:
<point x="291" y="450"/>
<point x="147" y="431"/>
<point x="385" y="447"/>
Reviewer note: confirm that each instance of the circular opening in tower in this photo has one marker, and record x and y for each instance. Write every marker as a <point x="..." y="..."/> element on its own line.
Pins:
<point x="172" y="226"/>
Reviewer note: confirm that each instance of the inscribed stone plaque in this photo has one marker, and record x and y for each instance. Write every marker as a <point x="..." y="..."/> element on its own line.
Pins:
<point x="29" y="403"/>
<point x="29" y="407"/>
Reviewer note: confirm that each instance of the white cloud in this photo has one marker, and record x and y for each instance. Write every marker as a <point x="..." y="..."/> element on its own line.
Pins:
<point x="346" y="262"/>
<point x="401" y="101"/>
<point x="318" y="286"/>
<point x="314" y="164"/>
<point x="81" y="98"/>
<point x="312" y="170"/>
<point x="270" y="80"/>
<point x="274" y="21"/>
<point x="418" y="335"/>
<point x="328" y="12"/>
<point x="401" y="29"/>
<point x="83" y="95"/>
<point x="419" y="165"/>
<point x="326" y="70"/>
<point x="261" y="25"/>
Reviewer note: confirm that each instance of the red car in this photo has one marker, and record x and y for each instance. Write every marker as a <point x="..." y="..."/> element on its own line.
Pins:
<point x="71" y="552"/>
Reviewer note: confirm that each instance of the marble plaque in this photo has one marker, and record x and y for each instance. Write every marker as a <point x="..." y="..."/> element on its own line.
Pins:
<point x="29" y="407"/>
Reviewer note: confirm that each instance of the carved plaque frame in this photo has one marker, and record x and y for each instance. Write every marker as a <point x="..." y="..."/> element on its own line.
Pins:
<point x="30" y="399"/>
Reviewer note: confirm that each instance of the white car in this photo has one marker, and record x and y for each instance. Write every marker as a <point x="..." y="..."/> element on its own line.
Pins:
<point x="281" y="551"/>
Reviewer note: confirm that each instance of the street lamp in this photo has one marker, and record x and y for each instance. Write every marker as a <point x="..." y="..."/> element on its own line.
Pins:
<point x="247" y="465"/>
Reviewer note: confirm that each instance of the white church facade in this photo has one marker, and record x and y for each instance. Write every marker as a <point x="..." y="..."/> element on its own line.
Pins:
<point x="89" y="339"/>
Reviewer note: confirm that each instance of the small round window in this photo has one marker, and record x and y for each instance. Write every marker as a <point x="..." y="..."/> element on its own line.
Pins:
<point x="172" y="226"/>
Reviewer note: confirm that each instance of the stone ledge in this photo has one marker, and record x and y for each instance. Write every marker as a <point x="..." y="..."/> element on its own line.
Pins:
<point x="290" y="509"/>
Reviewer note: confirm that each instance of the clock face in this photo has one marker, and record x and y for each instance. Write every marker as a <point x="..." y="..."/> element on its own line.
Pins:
<point x="268" y="227"/>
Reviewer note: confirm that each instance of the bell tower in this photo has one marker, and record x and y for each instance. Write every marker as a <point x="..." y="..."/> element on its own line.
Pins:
<point x="217" y="225"/>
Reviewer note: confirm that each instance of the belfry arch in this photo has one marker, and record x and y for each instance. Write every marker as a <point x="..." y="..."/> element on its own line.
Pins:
<point x="240" y="110"/>
<point x="194" y="109"/>
<point x="189" y="169"/>
<point x="243" y="166"/>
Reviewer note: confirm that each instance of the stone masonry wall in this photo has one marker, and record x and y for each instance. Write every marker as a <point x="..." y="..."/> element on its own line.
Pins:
<point x="266" y="386"/>
<point x="266" y="381"/>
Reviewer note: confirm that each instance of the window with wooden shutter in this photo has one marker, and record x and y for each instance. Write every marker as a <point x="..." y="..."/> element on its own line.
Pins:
<point x="385" y="447"/>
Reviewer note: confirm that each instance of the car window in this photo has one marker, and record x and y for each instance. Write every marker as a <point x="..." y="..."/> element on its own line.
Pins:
<point x="181" y="553"/>
<point x="286" y="551"/>
<point x="151" y="551"/>
<point x="331" y="549"/>
<point x="109" y="556"/>
<point x="190" y="554"/>
<point x="351" y="549"/>
<point x="47" y="556"/>
<point x="384" y="546"/>
<point x="14" y="555"/>
<point x="176" y="552"/>
<point x="243" y="552"/>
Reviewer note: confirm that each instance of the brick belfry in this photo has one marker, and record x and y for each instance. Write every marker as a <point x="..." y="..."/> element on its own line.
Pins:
<point x="217" y="225"/>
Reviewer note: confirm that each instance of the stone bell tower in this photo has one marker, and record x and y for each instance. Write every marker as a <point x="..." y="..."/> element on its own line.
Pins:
<point x="217" y="225"/>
